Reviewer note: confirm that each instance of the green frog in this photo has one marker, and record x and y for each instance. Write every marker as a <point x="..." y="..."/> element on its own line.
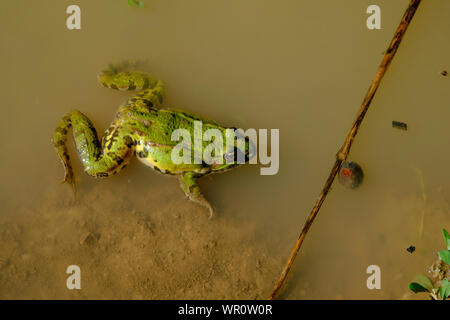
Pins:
<point x="142" y="127"/>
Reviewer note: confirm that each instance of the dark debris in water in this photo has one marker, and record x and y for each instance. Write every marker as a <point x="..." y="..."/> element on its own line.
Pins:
<point x="411" y="249"/>
<point x="399" y="125"/>
<point x="350" y="174"/>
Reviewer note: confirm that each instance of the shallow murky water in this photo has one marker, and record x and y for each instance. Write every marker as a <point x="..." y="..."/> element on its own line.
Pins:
<point x="300" y="66"/>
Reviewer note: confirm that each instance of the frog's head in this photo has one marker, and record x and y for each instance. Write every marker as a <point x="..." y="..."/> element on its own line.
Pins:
<point x="237" y="153"/>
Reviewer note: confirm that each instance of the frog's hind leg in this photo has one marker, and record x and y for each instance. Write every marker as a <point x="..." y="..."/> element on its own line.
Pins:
<point x="98" y="162"/>
<point x="192" y="190"/>
<point x="150" y="91"/>
<point x="59" y="140"/>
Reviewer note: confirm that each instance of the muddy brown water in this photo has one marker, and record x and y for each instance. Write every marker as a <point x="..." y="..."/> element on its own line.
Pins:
<point x="302" y="67"/>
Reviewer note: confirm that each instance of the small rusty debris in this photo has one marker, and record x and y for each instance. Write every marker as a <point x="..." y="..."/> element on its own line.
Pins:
<point x="89" y="238"/>
<point x="399" y="125"/>
<point x="411" y="249"/>
<point x="444" y="72"/>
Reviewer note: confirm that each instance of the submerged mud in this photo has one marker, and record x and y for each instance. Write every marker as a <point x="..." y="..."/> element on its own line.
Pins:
<point x="174" y="252"/>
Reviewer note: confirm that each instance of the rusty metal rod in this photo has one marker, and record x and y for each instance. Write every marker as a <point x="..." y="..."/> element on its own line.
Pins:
<point x="345" y="149"/>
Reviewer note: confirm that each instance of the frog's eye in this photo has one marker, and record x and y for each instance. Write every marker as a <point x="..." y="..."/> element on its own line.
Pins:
<point x="229" y="157"/>
<point x="235" y="156"/>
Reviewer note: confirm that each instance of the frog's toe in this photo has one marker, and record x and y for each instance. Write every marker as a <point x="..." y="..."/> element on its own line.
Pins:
<point x="200" y="200"/>
<point x="211" y="211"/>
<point x="68" y="178"/>
<point x="205" y="204"/>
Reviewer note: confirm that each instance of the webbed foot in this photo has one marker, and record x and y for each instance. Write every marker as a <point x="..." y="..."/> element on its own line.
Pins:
<point x="192" y="190"/>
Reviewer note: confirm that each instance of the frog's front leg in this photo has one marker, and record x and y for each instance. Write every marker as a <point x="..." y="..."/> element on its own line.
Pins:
<point x="192" y="190"/>
<point x="117" y="149"/>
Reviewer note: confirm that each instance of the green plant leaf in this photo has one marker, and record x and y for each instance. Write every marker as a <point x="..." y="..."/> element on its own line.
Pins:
<point x="446" y="238"/>
<point x="415" y="287"/>
<point x="444" y="290"/>
<point x="445" y="256"/>
<point x="130" y="3"/>
<point x="420" y="283"/>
